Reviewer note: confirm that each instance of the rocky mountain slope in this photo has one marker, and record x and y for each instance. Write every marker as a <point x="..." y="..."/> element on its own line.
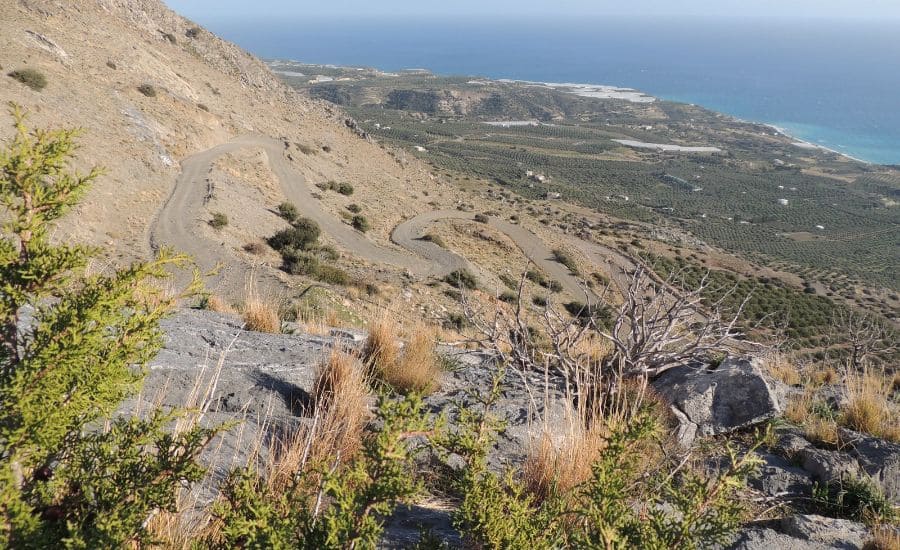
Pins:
<point x="199" y="92"/>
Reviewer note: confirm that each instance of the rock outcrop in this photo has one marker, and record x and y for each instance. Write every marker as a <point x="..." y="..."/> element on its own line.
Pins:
<point x="713" y="400"/>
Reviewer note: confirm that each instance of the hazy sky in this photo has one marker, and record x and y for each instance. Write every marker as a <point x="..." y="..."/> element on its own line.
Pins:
<point x="877" y="9"/>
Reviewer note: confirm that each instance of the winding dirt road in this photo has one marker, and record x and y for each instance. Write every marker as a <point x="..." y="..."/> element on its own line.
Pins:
<point x="176" y="222"/>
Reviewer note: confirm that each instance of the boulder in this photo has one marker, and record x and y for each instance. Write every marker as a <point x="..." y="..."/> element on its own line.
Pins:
<point x="712" y="400"/>
<point x="878" y="458"/>
<point x="761" y="538"/>
<point x="779" y="478"/>
<point x="827" y="532"/>
<point x="825" y="465"/>
<point x="803" y="532"/>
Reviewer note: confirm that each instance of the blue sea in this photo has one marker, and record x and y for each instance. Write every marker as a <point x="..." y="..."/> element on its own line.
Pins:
<point x="833" y="83"/>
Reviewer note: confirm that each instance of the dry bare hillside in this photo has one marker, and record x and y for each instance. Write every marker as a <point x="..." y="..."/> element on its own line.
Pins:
<point x="96" y="54"/>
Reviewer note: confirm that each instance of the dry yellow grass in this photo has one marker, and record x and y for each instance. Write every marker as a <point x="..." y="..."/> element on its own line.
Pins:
<point x="261" y="316"/>
<point x="781" y="369"/>
<point x="382" y="347"/>
<point x="341" y="411"/>
<point x="414" y="368"/>
<point x="826" y="376"/>
<point x="418" y="368"/>
<point x="816" y="428"/>
<point x="218" y="304"/>
<point x="869" y="408"/>
<point x="557" y="463"/>
<point x="884" y="537"/>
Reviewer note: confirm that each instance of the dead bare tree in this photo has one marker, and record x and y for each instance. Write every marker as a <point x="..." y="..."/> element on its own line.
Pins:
<point x="865" y="335"/>
<point x="660" y="325"/>
<point x="657" y="327"/>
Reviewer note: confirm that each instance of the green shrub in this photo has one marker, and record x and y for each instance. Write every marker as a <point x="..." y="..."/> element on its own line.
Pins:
<point x="510" y="283"/>
<point x="566" y="259"/>
<point x="303" y="234"/>
<point x="508" y="296"/>
<point x="31" y="78"/>
<point x="343" y="188"/>
<point x="288" y="211"/>
<point x="601" y="314"/>
<point x="219" y="220"/>
<point x="482" y="218"/>
<point x="436" y="239"/>
<point x="147" y="89"/>
<point x="64" y="483"/>
<point x="540" y="301"/>
<point x="853" y="498"/>
<point x="360" y="223"/>
<point x="332" y="275"/>
<point x="307" y="263"/>
<point x="462" y="279"/>
<point x="679" y="509"/>
<point x="331" y="505"/>
<point x="457" y="322"/>
<point x="354" y="208"/>
<point x="536" y="277"/>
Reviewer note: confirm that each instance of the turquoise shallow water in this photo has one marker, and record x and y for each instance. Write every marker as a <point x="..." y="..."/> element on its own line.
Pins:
<point x="832" y="83"/>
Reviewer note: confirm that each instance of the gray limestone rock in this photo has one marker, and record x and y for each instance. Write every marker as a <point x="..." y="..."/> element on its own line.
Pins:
<point x="715" y="400"/>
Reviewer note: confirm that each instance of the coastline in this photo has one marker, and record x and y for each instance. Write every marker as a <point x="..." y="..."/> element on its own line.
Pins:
<point x="804" y="144"/>
<point x="610" y="91"/>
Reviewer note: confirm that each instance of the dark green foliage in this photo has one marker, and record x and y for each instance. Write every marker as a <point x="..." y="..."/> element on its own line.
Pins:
<point x="354" y="208"/>
<point x="600" y="314"/>
<point x="31" y="78"/>
<point x="289" y="212"/>
<point x="343" y="188"/>
<point x="510" y="283"/>
<point x="553" y="285"/>
<point x="311" y="264"/>
<point x="303" y="234"/>
<point x="619" y="507"/>
<point x="358" y="496"/>
<point x="462" y="279"/>
<point x="853" y="498"/>
<point x="218" y="221"/>
<point x="566" y="259"/>
<point x="536" y="277"/>
<point x="457" y="322"/>
<point x="61" y="484"/>
<point x="807" y="319"/>
<point x="413" y="100"/>
<point x="147" y="89"/>
<point x="540" y="301"/>
<point x="508" y="296"/>
<point x="360" y="223"/>
<point x="120" y="483"/>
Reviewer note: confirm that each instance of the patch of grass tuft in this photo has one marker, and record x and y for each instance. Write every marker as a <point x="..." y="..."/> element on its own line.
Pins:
<point x="30" y="77"/>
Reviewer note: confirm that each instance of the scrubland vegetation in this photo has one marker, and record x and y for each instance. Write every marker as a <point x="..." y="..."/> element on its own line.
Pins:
<point x="301" y="252"/>
<point x="32" y="78"/>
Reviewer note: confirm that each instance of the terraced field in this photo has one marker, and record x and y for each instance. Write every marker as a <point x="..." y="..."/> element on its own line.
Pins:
<point x="808" y="211"/>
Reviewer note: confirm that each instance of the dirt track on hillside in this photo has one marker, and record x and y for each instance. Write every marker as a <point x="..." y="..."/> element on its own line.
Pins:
<point x="175" y="226"/>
